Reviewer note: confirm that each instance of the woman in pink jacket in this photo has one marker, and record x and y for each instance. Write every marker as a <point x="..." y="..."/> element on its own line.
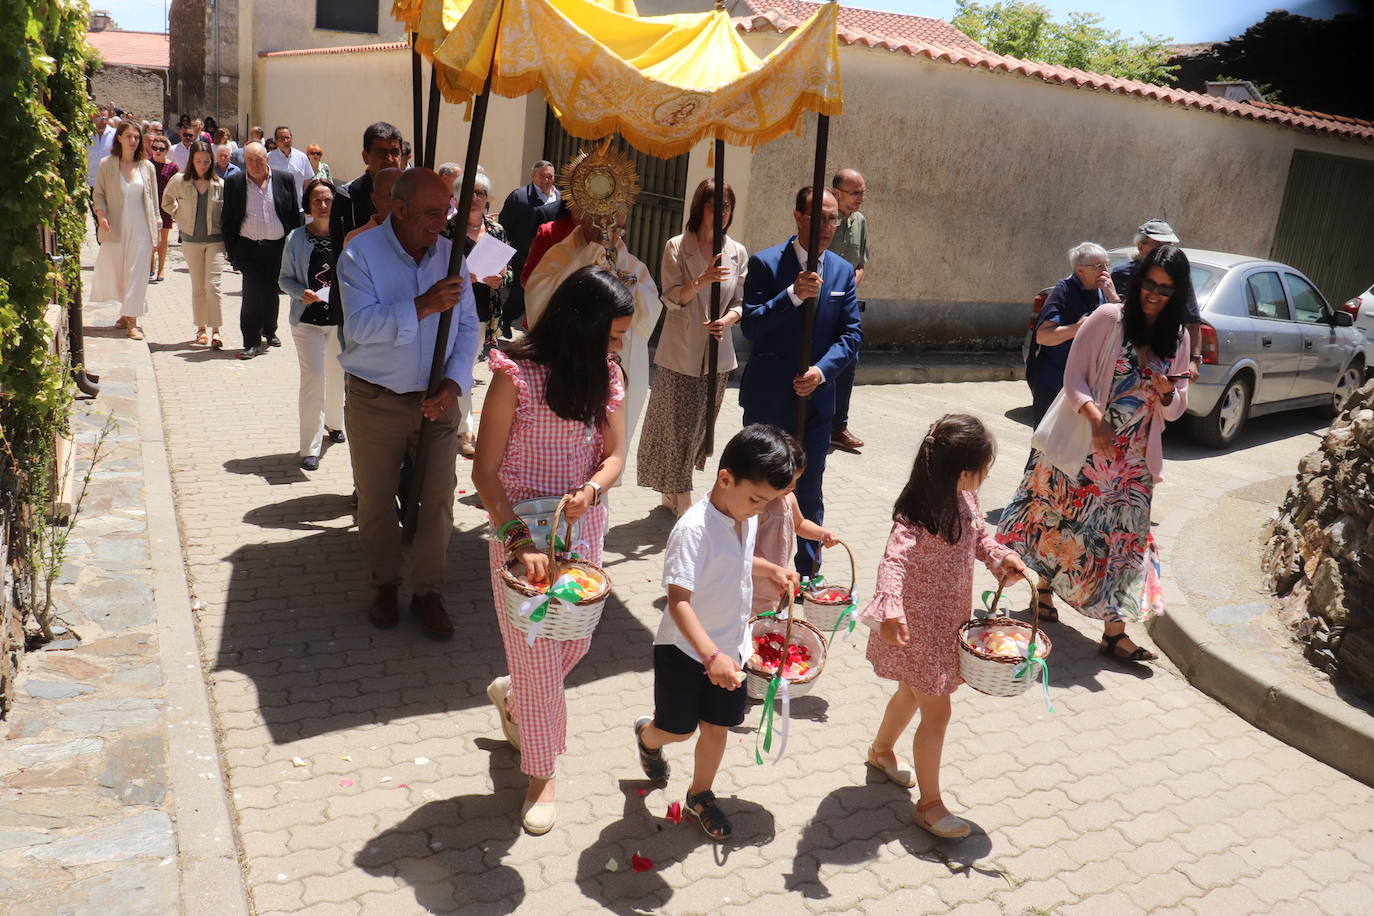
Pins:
<point x="1088" y="534"/>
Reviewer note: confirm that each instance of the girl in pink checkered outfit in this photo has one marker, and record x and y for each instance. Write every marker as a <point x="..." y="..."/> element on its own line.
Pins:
<point x="551" y="425"/>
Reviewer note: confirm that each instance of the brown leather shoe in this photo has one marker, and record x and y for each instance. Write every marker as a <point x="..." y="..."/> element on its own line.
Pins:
<point x="433" y="615"/>
<point x="384" y="612"/>
<point x="844" y="439"/>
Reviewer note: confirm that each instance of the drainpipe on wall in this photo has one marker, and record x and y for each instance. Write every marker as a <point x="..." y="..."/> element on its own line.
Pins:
<point x="76" y="341"/>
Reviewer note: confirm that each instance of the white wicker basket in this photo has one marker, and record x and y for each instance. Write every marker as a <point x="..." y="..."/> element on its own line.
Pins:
<point x="826" y="614"/>
<point x="562" y="621"/>
<point x="995" y="675"/>
<point x="797" y="631"/>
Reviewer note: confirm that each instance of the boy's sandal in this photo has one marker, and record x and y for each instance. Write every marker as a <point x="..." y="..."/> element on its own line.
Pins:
<point x="710" y="818"/>
<point x="948" y="827"/>
<point x="896" y="771"/>
<point x="653" y="763"/>
<point x="1109" y="647"/>
<point x="1048" y="612"/>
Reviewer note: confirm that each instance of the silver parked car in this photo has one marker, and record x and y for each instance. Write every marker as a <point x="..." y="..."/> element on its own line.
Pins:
<point x="1270" y="342"/>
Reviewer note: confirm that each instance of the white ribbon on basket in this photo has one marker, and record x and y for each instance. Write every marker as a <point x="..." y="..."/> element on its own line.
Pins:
<point x="532" y="606"/>
<point x="785" y="691"/>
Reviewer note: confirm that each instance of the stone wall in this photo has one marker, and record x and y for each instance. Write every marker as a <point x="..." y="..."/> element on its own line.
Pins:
<point x="1320" y="552"/>
<point x="142" y="92"/>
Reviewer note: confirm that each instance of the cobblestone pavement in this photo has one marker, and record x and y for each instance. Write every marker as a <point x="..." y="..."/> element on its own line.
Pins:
<point x="84" y="800"/>
<point x="1138" y="794"/>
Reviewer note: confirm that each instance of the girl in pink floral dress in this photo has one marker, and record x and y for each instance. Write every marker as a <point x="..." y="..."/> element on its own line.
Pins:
<point x="924" y="593"/>
<point x="551" y="425"/>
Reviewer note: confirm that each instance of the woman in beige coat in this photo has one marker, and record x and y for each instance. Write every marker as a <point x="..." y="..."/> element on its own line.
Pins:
<point x="195" y="198"/>
<point x="127" y="218"/>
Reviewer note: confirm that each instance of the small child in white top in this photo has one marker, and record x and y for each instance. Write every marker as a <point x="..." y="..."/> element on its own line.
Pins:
<point x="703" y="637"/>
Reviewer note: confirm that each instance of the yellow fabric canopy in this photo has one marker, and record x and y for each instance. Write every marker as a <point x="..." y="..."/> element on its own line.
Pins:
<point x="664" y="83"/>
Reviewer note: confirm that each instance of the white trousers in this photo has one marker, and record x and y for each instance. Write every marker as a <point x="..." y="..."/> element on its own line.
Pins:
<point x="322" y="383"/>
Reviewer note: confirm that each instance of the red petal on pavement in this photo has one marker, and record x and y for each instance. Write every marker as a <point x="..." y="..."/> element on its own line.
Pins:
<point x="640" y="863"/>
<point x="675" y="812"/>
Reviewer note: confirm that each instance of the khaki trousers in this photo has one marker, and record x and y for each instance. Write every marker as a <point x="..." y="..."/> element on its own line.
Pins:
<point x="206" y="263"/>
<point x="383" y="427"/>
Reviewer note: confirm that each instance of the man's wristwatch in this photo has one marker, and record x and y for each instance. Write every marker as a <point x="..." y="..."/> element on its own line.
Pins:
<point x="596" y="491"/>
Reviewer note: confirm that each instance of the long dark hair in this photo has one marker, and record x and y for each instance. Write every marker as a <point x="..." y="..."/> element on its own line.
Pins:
<point x="139" y="155"/>
<point x="1162" y="338"/>
<point x="200" y="146"/>
<point x="572" y="338"/>
<point x="956" y="443"/>
<point x="706" y="194"/>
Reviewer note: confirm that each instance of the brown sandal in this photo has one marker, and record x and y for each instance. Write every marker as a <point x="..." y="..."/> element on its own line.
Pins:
<point x="201" y="339"/>
<point x="1111" y="648"/>
<point x="948" y="827"/>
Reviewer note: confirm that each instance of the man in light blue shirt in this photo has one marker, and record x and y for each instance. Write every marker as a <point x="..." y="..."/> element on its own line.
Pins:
<point x="394" y="285"/>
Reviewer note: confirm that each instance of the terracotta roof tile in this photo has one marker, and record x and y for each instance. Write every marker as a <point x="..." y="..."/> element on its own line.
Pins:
<point x="859" y="24"/>
<point x="131" y="49"/>
<point x="342" y="49"/>
<point x="784" y="16"/>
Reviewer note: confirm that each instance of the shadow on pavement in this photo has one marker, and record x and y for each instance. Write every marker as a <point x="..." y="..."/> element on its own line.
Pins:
<point x="295" y="622"/>
<point x="1179" y="445"/>
<point x="451" y="852"/>
<point x="854" y="822"/>
<point x="650" y="834"/>
<point x="281" y="468"/>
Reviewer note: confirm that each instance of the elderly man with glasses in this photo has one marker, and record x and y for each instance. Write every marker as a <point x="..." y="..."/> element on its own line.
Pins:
<point x="776" y="287"/>
<point x="851" y="243"/>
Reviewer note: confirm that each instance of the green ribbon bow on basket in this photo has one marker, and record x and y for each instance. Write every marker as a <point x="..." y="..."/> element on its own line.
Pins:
<point x="566" y="590"/>
<point x="846" y="616"/>
<point x="765" y="731"/>
<point x="1030" y="667"/>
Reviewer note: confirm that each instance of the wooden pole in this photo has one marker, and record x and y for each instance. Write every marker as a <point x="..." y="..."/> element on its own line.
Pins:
<point x="432" y="121"/>
<point x="813" y="260"/>
<point x="416" y="91"/>
<point x="717" y="245"/>
<point x="455" y="266"/>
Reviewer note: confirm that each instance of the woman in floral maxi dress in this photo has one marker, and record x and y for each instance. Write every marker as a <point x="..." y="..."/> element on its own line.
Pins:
<point x="1088" y="535"/>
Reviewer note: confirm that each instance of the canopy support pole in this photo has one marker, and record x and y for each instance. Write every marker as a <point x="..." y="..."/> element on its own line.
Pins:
<point x="416" y="90"/>
<point x="717" y="245"/>
<point x="432" y="122"/>
<point x="455" y="266"/>
<point x="813" y="260"/>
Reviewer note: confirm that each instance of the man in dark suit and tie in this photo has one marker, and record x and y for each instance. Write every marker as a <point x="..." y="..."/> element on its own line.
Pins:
<point x="260" y="207"/>
<point x="521" y="216"/>
<point x="775" y="289"/>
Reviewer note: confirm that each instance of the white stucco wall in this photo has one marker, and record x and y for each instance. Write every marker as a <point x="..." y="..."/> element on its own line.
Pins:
<point x="330" y="99"/>
<point x="979" y="183"/>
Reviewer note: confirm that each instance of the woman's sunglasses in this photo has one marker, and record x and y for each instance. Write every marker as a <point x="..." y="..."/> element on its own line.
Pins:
<point x="1160" y="289"/>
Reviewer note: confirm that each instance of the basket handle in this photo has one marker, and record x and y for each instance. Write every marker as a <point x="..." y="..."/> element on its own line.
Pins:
<point x="853" y="569"/>
<point x="1035" y="605"/>
<point x="553" y="536"/>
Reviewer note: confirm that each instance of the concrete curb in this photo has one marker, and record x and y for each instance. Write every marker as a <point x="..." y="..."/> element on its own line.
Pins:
<point x="211" y="880"/>
<point x="1325" y="729"/>
<point x="880" y="368"/>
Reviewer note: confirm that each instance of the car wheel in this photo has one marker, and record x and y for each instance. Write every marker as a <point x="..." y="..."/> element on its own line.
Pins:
<point x="1349" y="381"/>
<point x="1221" y="427"/>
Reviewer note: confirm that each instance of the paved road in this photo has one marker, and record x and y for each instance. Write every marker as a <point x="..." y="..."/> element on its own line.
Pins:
<point x="1137" y="794"/>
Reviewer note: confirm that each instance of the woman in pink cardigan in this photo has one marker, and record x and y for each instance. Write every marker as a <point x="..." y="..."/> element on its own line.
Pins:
<point x="1088" y="534"/>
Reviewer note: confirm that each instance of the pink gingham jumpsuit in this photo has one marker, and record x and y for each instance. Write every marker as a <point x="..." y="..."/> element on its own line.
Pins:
<point x="546" y="455"/>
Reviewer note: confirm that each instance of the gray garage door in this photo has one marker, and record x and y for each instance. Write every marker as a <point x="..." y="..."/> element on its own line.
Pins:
<point x="1326" y="224"/>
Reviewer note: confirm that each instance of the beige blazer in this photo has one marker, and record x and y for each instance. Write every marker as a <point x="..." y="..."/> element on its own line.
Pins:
<point x="108" y="198"/>
<point x="179" y="199"/>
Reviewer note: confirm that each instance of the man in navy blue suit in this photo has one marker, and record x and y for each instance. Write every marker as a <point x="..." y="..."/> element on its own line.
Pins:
<point x="774" y="290"/>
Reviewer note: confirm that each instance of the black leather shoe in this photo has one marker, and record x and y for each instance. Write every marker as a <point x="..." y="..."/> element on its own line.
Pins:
<point x="433" y="615"/>
<point x="274" y="340"/>
<point x="249" y="352"/>
<point x="384" y="613"/>
<point x="335" y="435"/>
<point x="310" y="463"/>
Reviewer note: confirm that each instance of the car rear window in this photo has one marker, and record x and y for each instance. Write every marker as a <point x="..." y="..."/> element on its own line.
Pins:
<point x="1264" y="296"/>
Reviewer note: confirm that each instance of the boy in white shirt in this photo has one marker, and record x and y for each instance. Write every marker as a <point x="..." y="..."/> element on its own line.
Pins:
<point x="703" y="637"/>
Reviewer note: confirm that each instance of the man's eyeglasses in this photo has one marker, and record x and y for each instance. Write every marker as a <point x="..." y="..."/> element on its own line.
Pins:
<point x="859" y="194"/>
<point x="830" y="220"/>
<point x="1158" y="289"/>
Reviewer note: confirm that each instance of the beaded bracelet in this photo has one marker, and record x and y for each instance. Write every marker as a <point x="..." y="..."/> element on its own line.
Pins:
<point x="506" y="528"/>
<point x="519" y="545"/>
<point x="512" y="532"/>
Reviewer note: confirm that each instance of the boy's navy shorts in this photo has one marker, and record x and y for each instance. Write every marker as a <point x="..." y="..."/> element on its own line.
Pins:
<point x="685" y="696"/>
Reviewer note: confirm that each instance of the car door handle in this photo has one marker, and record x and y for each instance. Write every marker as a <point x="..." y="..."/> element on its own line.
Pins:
<point x="1267" y="341"/>
<point x="1307" y="344"/>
